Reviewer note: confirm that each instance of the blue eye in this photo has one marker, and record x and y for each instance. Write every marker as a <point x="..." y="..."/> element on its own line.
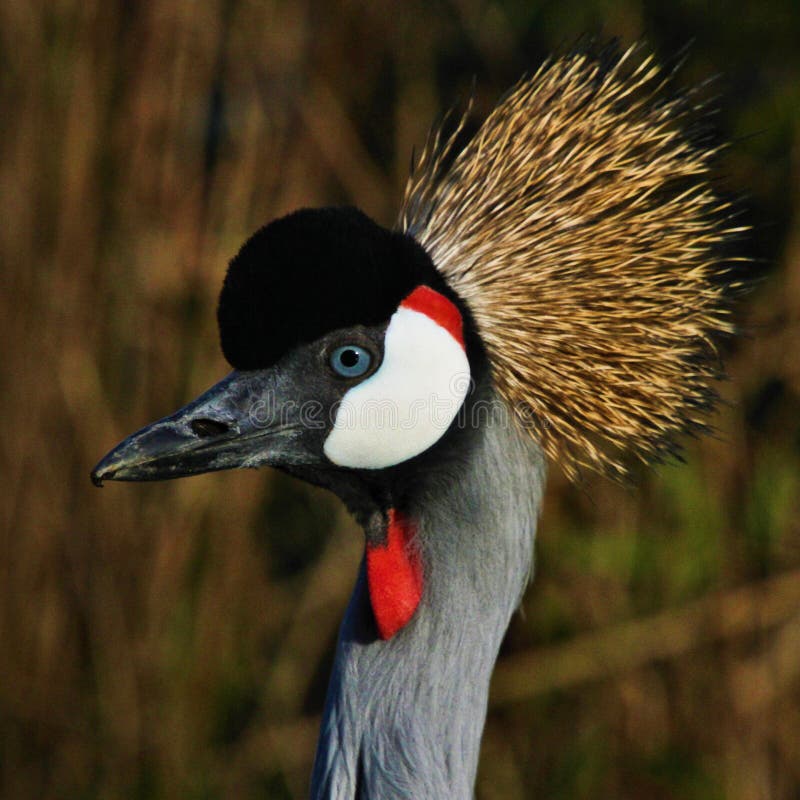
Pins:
<point x="350" y="361"/>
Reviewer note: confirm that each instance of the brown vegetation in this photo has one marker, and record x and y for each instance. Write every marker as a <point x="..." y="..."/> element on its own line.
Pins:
<point x="172" y="641"/>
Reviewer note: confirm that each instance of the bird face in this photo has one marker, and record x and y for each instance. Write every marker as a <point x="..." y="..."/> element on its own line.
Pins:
<point x="350" y="354"/>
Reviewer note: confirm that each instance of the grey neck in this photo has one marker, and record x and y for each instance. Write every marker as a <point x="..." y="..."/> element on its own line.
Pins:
<point x="404" y="717"/>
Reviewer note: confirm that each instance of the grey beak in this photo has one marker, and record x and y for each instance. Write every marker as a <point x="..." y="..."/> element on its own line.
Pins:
<point x="234" y="424"/>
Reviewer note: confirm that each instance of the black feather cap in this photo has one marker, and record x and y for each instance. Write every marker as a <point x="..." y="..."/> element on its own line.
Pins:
<point x="312" y="272"/>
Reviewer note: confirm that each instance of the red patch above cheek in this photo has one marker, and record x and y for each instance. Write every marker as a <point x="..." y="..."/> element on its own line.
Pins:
<point x="394" y="575"/>
<point x="436" y="306"/>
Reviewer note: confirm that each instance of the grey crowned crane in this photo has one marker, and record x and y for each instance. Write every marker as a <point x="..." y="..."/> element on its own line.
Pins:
<point x="553" y="288"/>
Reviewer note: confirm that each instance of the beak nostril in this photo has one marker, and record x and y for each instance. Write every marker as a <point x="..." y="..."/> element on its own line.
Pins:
<point x="208" y="427"/>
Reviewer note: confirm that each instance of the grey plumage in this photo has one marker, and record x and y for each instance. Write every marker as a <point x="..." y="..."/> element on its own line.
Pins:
<point x="404" y="717"/>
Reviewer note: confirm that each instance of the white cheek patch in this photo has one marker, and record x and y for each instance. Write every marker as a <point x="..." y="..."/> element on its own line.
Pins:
<point x="409" y="403"/>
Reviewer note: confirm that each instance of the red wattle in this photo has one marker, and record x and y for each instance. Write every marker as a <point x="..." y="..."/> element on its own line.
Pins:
<point x="436" y="306"/>
<point x="394" y="575"/>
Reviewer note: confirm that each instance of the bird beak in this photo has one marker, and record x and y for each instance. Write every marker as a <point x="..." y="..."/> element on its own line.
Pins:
<point x="236" y="423"/>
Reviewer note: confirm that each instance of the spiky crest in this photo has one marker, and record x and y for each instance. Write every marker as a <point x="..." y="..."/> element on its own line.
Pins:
<point x="579" y="226"/>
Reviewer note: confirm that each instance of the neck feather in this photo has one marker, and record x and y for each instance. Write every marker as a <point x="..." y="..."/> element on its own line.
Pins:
<point x="404" y="716"/>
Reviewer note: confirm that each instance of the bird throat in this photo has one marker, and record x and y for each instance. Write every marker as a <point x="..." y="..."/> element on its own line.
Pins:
<point x="394" y="574"/>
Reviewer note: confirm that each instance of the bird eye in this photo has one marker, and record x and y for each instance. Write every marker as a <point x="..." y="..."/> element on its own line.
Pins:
<point x="350" y="361"/>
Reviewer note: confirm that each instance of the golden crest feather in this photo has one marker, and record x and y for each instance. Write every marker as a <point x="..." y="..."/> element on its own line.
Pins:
<point x="579" y="226"/>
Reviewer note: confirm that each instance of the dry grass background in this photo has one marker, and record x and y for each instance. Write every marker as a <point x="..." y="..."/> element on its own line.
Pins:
<point x="173" y="641"/>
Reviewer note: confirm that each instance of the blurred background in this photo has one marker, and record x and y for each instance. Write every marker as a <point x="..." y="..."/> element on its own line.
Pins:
<point x="174" y="641"/>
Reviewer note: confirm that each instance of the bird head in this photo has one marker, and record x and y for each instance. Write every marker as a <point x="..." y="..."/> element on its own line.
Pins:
<point x="574" y="244"/>
<point x="351" y="356"/>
